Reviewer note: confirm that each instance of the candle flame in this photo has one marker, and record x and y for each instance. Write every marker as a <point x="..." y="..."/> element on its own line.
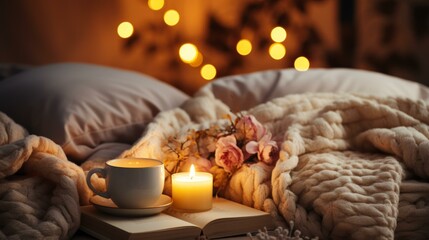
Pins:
<point x="192" y="172"/>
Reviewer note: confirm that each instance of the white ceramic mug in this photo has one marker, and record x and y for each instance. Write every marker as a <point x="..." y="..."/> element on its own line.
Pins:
<point x="131" y="182"/>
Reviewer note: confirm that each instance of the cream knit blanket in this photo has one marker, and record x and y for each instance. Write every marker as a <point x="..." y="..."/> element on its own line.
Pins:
<point x="40" y="190"/>
<point x="350" y="167"/>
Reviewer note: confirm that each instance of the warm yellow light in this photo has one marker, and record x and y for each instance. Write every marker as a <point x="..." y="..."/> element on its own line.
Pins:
<point x="198" y="60"/>
<point x="277" y="51"/>
<point x="302" y="64"/>
<point x="188" y="52"/>
<point x="125" y="29"/>
<point x="155" y="4"/>
<point x="208" y="72"/>
<point x="278" y="34"/>
<point x="171" y="17"/>
<point x="192" y="171"/>
<point x="244" y="47"/>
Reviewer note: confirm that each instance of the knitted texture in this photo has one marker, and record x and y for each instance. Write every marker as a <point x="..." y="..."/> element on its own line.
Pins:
<point x="40" y="190"/>
<point x="350" y="166"/>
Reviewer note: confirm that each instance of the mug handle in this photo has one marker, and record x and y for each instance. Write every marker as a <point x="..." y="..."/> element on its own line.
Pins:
<point x="102" y="172"/>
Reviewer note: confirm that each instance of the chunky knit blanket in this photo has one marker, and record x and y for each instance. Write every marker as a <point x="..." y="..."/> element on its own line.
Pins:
<point x="40" y="190"/>
<point x="350" y="167"/>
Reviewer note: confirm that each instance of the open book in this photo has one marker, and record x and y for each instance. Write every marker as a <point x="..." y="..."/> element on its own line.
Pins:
<point x="225" y="219"/>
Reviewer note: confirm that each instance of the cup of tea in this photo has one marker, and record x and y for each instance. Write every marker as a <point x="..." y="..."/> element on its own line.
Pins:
<point x="131" y="182"/>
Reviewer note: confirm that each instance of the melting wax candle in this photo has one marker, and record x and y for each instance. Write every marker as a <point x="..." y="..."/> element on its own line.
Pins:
<point x="192" y="191"/>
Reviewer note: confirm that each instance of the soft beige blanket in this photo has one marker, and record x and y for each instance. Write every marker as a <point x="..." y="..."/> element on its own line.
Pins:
<point x="40" y="190"/>
<point x="350" y="167"/>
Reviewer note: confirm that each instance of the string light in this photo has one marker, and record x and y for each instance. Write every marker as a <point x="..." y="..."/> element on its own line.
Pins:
<point x="198" y="60"/>
<point x="277" y="51"/>
<point x="244" y="47"/>
<point x="208" y="72"/>
<point x="155" y="4"/>
<point x="302" y="64"/>
<point x="125" y="29"/>
<point x="171" y="17"/>
<point x="188" y="52"/>
<point x="278" y="34"/>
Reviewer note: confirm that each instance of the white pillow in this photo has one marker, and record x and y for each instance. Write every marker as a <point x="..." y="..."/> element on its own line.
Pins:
<point x="244" y="91"/>
<point x="80" y="106"/>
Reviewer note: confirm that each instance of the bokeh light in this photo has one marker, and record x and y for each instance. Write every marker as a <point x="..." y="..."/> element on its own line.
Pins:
<point x="155" y="4"/>
<point x="278" y="34"/>
<point x="171" y="17"/>
<point x="208" y="72"/>
<point x="188" y="52"/>
<point x="198" y="60"/>
<point x="125" y="29"/>
<point x="244" y="47"/>
<point x="277" y="51"/>
<point x="302" y="64"/>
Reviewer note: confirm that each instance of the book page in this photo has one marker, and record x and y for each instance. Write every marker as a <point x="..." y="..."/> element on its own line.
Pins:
<point x="225" y="211"/>
<point x="100" y="223"/>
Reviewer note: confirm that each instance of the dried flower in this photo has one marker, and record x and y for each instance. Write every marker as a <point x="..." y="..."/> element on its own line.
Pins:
<point x="201" y="164"/>
<point x="249" y="128"/>
<point x="280" y="233"/>
<point x="222" y="149"/>
<point x="228" y="155"/>
<point x="266" y="149"/>
<point x="219" y="177"/>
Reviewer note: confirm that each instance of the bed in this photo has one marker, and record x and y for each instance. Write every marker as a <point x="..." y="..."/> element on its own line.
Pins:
<point x="352" y="146"/>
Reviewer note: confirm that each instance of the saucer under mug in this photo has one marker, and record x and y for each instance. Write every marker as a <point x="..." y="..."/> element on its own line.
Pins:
<point x="106" y="205"/>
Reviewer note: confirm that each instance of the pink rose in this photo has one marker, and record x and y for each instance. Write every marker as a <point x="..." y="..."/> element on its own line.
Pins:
<point x="266" y="149"/>
<point x="249" y="128"/>
<point x="228" y="155"/>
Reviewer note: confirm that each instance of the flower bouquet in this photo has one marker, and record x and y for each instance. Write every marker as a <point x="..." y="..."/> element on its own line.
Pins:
<point x="222" y="148"/>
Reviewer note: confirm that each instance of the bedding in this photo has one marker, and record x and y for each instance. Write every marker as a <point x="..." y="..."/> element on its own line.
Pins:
<point x="80" y="106"/>
<point x="45" y="203"/>
<point x="342" y="160"/>
<point x="353" y="161"/>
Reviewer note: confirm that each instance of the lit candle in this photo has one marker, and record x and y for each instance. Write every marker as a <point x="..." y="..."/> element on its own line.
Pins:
<point x="192" y="191"/>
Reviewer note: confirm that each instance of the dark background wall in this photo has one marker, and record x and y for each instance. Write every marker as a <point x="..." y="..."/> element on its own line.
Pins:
<point x="388" y="36"/>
